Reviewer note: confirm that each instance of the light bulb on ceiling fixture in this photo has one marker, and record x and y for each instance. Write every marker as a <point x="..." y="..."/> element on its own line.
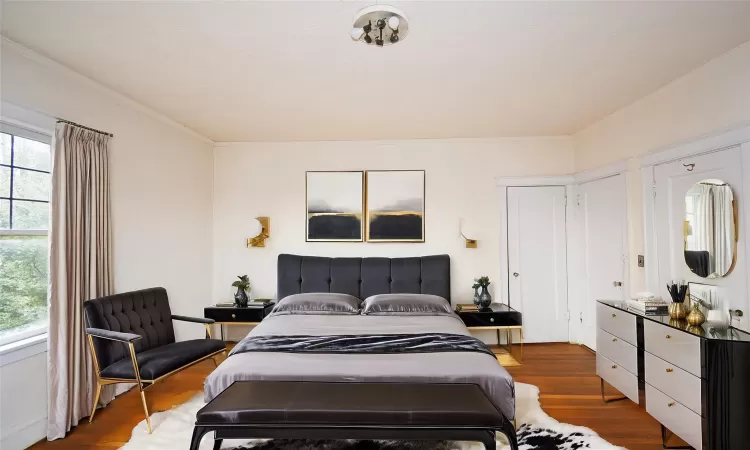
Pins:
<point x="393" y="23"/>
<point x="357" y="33"/>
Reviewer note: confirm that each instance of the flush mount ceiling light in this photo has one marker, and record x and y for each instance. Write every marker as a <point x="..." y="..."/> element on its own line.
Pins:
<point x="380" y="25"/>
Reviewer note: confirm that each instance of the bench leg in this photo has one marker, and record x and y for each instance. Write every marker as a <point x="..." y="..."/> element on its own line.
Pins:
<point x="510" y="432"/>
<point x="489" y="440"/>
<point x="217" y="443"/>
<point x="198" y="433"/>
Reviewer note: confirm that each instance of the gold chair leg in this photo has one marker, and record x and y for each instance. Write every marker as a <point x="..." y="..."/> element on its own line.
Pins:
<point x="96" y="400"/>
<point x="145" y="408"/>
<point x="140" y="386"/>
<point x="216" y="361"/>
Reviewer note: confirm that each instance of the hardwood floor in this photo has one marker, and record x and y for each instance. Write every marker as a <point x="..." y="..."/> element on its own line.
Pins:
<point x="564" y="373"/>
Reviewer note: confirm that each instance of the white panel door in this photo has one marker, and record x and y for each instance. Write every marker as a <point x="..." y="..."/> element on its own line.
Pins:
<point x="600" y="207"/>
<point x="537" y="271"/>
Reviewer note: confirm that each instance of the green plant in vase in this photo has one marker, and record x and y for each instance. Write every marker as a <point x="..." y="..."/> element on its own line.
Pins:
<point x="243" y="287"/>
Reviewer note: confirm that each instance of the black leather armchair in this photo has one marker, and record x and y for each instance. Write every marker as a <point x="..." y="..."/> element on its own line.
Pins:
<point x="135" y="341"/>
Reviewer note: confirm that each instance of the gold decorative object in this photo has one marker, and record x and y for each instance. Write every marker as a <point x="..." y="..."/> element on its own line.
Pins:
<point x="677" y="311"/>
<point x="696" y="317"/>
<point x="678" y="323"/>
<point x="259" y="240"/>
<point x="699" y="331"/>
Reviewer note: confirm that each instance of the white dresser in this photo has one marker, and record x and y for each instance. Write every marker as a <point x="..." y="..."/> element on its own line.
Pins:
<point x="695" y="383"/>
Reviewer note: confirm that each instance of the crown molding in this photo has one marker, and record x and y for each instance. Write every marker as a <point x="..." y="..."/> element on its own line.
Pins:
<point x="120" y="98"/>
<point x="721" y="140"/>
<point x="557" y="180"/>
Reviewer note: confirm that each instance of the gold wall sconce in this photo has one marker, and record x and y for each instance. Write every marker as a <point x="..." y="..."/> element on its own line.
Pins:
<point x="470" y="243"/>
<point x="260" y="231"/>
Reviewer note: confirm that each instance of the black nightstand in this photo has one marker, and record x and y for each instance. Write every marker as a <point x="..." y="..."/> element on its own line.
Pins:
<point x="234" y="315"/>
<point x="498" y="316"/>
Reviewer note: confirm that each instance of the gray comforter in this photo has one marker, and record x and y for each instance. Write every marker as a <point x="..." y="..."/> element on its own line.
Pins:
<point x="446" y="367"/>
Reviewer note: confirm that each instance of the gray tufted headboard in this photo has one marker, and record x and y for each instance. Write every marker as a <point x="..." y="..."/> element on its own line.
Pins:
<point x="363" y="277"/>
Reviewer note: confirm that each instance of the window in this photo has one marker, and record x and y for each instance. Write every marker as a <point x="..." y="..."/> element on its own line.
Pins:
<point x="24" y="222"/>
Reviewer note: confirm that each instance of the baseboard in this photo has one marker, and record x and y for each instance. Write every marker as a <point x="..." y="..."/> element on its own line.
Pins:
<point x="24" y="435"/>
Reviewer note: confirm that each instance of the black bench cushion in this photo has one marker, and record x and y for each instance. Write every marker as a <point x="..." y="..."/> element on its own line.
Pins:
<point x="161" y="360"/>
<point x="145" y="313"/>
<point x="341" y="404"/>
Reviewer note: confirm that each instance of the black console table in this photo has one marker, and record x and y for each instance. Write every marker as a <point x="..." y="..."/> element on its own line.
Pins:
<point x="234" y="315"/>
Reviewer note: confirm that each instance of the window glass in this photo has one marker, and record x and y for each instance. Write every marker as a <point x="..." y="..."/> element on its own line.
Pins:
<point x="4" y="214"/>
<point x="5" y="140"/>
<point x="24" y="210"/>
<point x="23" y="284"/>
<point x="30" y="215"/>
<point x="31" y="154"/>
<point x="4" y="181"/>
<point x="30" y="185"/>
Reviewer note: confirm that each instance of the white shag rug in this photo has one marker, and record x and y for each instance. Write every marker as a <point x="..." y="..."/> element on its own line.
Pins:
<point x="173" y="429"/>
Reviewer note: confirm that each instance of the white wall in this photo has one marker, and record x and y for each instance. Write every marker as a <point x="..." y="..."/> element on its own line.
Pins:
<point x="161" y="188"/>
<point x="710" y="99"/>
<point x="268" y="179"/>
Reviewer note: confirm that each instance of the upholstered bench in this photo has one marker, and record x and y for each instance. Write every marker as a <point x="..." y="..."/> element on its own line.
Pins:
<point x="135" y="341"/>
<point x="319" y="410"/>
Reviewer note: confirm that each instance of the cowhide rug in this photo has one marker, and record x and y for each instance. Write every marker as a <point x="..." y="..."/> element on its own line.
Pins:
<point x="172" y="431"/>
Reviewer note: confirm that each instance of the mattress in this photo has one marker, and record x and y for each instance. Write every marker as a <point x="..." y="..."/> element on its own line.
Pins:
<point x="447" y="367"/>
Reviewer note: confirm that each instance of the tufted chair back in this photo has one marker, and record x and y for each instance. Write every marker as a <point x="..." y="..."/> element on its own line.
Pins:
<point x="145" y="312"/>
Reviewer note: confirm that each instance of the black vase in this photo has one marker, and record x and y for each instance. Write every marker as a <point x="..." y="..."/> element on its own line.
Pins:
<point x="485" y="299"/>
<point x="240" y="298"/>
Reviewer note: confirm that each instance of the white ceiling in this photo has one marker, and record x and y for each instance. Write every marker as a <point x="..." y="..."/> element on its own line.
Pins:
<point x="266" y="71"/>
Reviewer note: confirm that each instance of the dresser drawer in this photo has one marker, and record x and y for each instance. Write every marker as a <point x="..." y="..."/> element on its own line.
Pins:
<point x="617" y="350"/>
<point x="674" y="382"/>
<point x="616" y="322"/>
<point x="672" y="414"/>
<point x="674" y="346"/>
<point x="617" y="376"/>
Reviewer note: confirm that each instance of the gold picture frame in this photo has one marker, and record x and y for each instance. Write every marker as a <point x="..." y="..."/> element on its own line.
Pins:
<point x="337" y="205"/>
<point x="395" y="206"/>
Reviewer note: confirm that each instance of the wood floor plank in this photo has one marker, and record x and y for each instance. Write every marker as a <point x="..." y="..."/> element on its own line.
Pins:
<point x="564" y="373"/>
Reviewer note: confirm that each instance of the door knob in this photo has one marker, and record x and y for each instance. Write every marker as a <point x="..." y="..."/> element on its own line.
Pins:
<point x="617" y="283"/>
<point x="515" y="274"/>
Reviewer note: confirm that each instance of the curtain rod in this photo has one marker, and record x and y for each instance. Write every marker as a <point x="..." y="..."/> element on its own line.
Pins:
<point x="84" y="127"/>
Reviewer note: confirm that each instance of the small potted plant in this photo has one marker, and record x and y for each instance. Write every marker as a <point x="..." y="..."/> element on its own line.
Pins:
<point x="485" y="299"/>
<point x="243" y="288"/>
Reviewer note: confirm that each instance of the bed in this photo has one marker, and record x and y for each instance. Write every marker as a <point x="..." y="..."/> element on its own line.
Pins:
<point x="364" y="277"/>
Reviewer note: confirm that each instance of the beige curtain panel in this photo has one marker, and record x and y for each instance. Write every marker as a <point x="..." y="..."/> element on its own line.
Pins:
<point x="80" y="269"/>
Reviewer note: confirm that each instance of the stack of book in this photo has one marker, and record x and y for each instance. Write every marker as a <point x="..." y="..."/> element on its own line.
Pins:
<point x="648" y="307"/>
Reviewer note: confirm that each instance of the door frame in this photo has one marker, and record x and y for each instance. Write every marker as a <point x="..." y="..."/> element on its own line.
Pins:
<point x="577" y="291"/>
<point x="503" y="183"/>
<point x="573" y="251"/>
<point x="739" y="136"/>
<point x="734" y="137"/>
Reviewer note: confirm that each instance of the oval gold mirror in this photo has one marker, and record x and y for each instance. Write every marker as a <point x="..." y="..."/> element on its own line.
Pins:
<point x="709" y="229"/>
